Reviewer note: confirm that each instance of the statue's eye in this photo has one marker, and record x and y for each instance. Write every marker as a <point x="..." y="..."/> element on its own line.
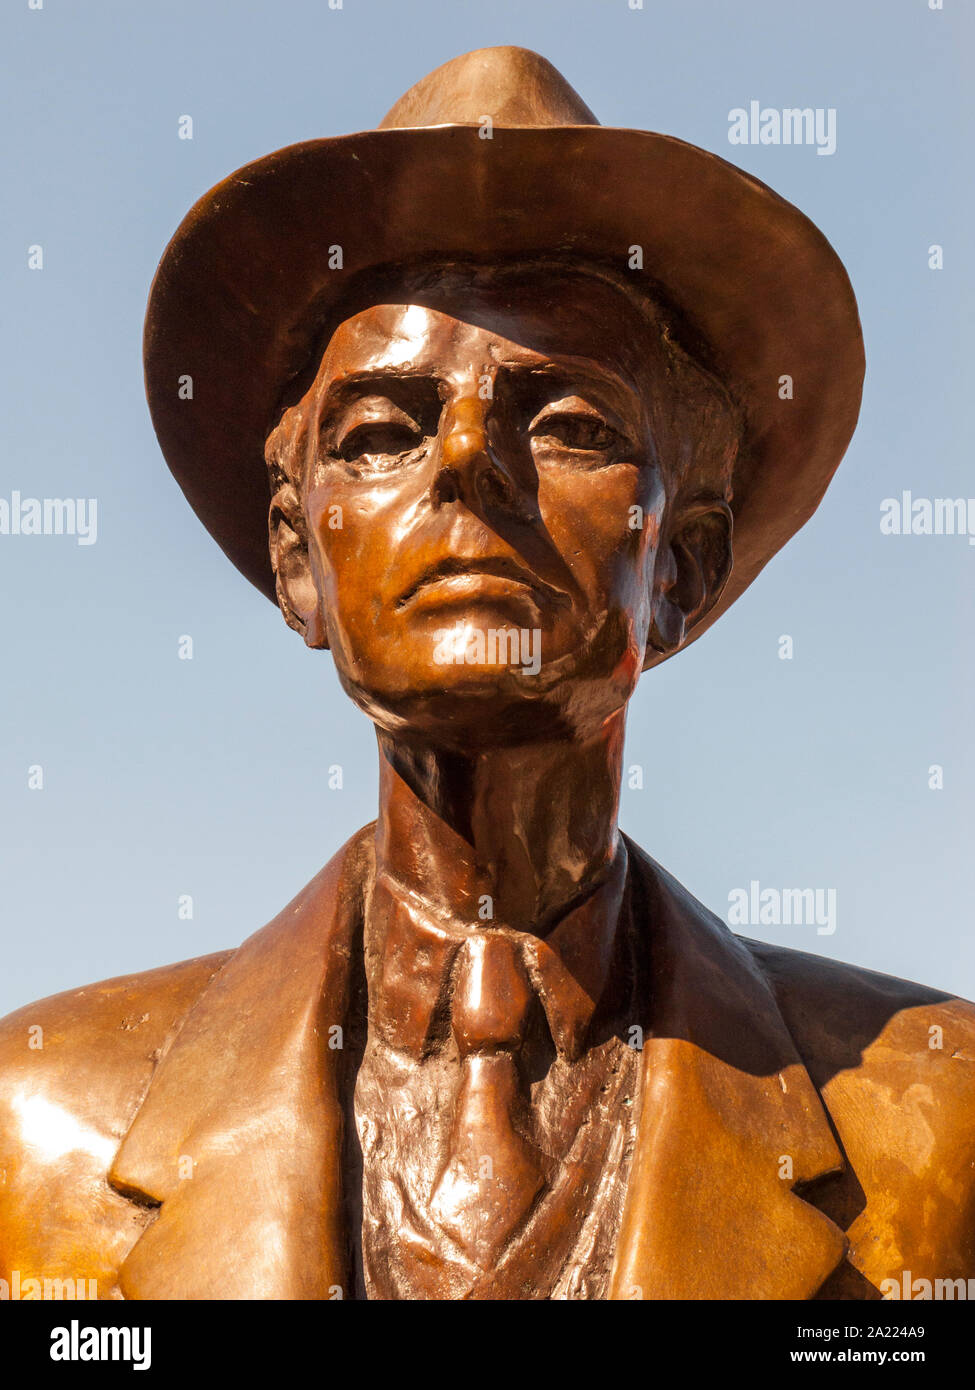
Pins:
<point x="375" y="427"/>
<point x="382" y="437"/>
<point x="576" y="432"/>
<point x="572" y="425"/>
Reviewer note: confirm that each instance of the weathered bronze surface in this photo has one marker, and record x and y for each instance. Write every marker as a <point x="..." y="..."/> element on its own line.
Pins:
<point x="493" y="1050"/>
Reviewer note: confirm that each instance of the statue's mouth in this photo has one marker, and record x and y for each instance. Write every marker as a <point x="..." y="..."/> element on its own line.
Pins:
<point x="480" y="576"/>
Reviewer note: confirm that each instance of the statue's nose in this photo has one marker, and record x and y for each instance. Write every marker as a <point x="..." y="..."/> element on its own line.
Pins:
<point x="470" y="466"/>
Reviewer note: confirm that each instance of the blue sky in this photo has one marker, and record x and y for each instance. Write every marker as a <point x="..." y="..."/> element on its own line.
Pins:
<point x="209" y="777"/>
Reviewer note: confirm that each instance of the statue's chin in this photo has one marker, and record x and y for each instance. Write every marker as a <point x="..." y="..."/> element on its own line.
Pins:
<point x="474" y="710"/>
<point x="514" y="697"/>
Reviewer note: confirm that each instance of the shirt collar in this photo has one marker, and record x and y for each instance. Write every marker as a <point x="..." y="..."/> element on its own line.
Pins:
<point x="411" y="949"/>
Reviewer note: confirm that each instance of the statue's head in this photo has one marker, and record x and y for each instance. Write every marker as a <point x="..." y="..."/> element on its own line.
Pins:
<point x="504" y="490"/>
<point x="512" y="376"/>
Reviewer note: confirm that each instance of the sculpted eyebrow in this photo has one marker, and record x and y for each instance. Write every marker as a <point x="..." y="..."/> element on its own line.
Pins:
<point x="378" y="381"/>
<point x="572" y="372"/>
<point x="413" y="392"/>
<point x="610" y="390"/>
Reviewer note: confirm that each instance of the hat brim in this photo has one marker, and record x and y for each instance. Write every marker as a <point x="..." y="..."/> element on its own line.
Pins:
<point x="751" y="275"/>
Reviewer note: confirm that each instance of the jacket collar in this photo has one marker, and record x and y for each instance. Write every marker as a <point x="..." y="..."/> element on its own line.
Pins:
<point x="239" y="1140"/>
<point x="240" y="1137"/>
<point x="730" y="1124"/>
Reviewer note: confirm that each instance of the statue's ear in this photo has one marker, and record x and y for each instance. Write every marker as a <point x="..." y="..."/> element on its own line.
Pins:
<point x="294" y="582"/>
<point x="691" y="571"/>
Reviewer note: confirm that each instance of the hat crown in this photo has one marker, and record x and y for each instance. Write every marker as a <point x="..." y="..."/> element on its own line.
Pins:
<point x="512" y="86"/>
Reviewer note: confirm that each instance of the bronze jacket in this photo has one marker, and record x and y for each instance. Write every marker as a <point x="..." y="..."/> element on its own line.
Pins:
<point x="805" y="1128"/>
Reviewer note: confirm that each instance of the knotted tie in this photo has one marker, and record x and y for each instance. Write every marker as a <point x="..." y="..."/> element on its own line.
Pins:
<point x="493" y="1173"/>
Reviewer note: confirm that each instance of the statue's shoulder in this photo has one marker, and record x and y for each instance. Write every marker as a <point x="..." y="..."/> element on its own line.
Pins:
<point x="74" y="1066"/>
<point x="96" y="1047"/>
<point x="91" y="1052"/>
<point x="71" y="1036"/>
<point x="841" y="1007"/>
<point x="74" y="1069"/>
<point x="870" y="1040"/>
<point x="894" y="1063"/>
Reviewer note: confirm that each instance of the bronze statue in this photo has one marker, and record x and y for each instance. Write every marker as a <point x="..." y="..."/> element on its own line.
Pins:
<point x="515" y="381"/>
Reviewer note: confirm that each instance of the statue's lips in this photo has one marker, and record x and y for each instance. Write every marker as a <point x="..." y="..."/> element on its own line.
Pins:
<point x="481" y="580"/>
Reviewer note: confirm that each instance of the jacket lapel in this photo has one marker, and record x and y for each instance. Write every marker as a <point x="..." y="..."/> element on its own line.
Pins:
<point x="730" y="1124"/>
<point x="239" y="1141"/>
<point x="240" y="1137"/>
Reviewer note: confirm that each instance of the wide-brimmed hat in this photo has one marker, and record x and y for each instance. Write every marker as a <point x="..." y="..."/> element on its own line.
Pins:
<point x="252" y="280"/>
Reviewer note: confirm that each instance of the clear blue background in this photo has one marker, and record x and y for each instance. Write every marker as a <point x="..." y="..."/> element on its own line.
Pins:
<point x="209" y="777"/>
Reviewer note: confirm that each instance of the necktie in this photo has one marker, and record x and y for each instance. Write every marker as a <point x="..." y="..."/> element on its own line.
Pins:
<point x="493" y="1172"/>
<point x="459" y="1160"/>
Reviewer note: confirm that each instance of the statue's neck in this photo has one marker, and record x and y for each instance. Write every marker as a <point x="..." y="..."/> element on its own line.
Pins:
<point x="528" y="827"/>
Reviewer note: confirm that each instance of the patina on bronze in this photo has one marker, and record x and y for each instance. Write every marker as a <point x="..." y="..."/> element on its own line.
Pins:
<point x="493" y="1050"/>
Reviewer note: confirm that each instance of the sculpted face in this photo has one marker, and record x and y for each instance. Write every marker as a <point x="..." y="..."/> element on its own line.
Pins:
<point x="482" y="514"/>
